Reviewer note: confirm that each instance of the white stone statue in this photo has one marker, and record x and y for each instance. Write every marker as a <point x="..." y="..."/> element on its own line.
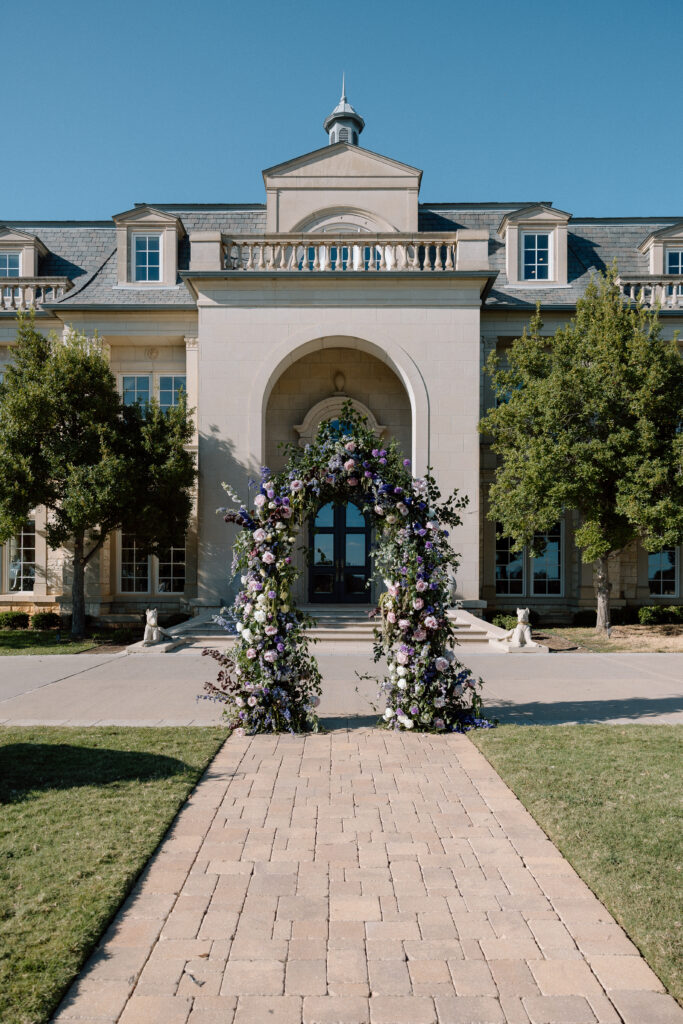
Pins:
<point x="153" y="631"/>
<point x="520" y="636"/>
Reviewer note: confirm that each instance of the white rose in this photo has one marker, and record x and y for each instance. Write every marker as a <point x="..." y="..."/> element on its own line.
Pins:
<point x="260" y="615"/>
<point x="401" y="670"/>
<point x="247" y="635"/>
<point x="401" y="683"/>
<point x="243" y="580"/>
<point x="389" y="713"/>
<point x="407" y="723"/>
<point x="239" y="627"/>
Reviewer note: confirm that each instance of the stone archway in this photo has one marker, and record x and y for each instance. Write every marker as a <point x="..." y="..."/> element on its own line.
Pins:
<point x="270" y="681"/>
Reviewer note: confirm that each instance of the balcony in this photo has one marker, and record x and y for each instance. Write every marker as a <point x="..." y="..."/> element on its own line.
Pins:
<point x="318" y="253"/>
<point x="17" y="293"/>
<point x="650" y="290"/>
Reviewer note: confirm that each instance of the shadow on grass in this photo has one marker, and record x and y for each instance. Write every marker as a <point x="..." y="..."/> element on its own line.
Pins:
<point x="635" y="709"/>
<point x="27" y="767"/>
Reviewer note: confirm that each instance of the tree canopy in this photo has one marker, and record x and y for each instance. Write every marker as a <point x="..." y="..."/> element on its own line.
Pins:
<point x="69" y="444"/>
<point x="590" y="420"/>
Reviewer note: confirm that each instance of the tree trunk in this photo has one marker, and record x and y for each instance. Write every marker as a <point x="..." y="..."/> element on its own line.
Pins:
<point x="78" y="590"/>
<point x="602" y="588"/>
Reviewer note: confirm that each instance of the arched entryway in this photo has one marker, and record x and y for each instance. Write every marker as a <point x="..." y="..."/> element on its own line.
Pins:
<point x="310" y="390"/>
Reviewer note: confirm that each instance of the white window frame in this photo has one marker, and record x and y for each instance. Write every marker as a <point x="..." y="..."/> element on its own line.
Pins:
<point x="150" y="378"/>
<point x="524" y="556"/>
<point x="152" y="576"/>
<point x="7" y="564"/>
<point x="677" y="578"/>
<point x="154" y="378"/>
<point x="12" y="252"/>
<point x="526" y="233"/>
<point x="133" y="265"/>
<point x="528" y="574"/>
<point x="675" y="249"/>
<point x="157" y="384"/>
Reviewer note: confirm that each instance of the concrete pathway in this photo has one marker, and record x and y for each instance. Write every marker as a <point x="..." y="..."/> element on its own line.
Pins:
<point x="361" y="877"/>
<point x="148" y="689"/>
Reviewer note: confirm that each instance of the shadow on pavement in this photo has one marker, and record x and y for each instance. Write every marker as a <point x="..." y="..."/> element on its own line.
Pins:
<point x="636" y="709"/>
<point x="333" y="723"/>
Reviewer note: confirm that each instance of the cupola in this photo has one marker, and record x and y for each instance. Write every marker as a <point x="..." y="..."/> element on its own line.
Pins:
<point x="344" y="124"/>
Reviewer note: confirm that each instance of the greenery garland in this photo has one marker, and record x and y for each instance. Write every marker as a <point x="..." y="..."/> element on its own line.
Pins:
<point x="269" y="681"/>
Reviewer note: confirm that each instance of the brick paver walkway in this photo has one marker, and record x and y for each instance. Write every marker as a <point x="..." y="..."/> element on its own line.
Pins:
<point x="362" y="877"/>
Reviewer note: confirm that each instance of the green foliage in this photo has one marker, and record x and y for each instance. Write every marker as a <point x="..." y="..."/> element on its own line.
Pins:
<point x="505" y="621"/>
<point x="590" y="420"/>
<point x="660" y="615"/>
<point x="14" y="620"/>
<point x="608" y="796"/>
<point x="269" y="681"/>
<point x="82" y="811"/>
<point x="46" y="620"/>
<point x="67" y="443"/>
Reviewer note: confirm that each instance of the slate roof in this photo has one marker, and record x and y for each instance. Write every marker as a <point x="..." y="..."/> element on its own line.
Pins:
<point x="85" y="252"/>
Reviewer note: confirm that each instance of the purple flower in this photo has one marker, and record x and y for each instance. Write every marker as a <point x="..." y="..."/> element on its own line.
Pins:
<point x="406" y="462"/>
<point x="272" y="595"/>
<point x="414" y="709"/>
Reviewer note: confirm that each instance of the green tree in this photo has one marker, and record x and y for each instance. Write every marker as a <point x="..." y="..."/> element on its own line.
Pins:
<point x="590" y="420"/>
<point x="69" y="444"/>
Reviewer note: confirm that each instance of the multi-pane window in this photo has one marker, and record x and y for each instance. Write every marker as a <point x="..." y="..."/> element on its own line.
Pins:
<point x="22" y="559"/>
<point x="170" y="388"/>
<point x="536" y="256"/>
<point x="661" y="573"/>
<point x="674" y="265"/>
<point x="514" y="568"/>
<point x="147" y="256"/>
<point x="509" y="567"/>
<point x="136" y="389"/>
<point x="134" y="567"/>
<point x="171" y="571"/>
<point x="9" y="264"/>
<point x="546" y="570"/>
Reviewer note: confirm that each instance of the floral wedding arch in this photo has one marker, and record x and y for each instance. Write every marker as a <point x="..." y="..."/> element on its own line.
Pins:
<point x="269" y="680"/>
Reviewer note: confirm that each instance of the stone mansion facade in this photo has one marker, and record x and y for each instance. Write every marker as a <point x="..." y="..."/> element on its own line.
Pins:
<point x="342" y="284"/>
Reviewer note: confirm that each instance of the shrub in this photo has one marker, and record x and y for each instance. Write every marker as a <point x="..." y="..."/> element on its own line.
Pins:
<point x="660" y="615"/>
<point x="14" y="620"/>
<point x="46" y="620"/>
<point x="505" y="621"/>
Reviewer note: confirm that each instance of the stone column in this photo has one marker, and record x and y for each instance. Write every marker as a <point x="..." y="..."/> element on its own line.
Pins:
<point x="191" y="539"/>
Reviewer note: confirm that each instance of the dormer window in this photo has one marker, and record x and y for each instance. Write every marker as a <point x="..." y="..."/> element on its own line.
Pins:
<point x="535" y="246"/>
<point x="536" y="256"/>
<point x="10" y="264"/>
<point x="147" y="247"/>
<point x="146" y="257"/>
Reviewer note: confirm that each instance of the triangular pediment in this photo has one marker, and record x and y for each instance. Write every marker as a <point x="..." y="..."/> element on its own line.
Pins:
<point x="13" y="236"/>
<point x="537" y="213"/>
<point x="341" y="160"/>
<point x="673" y="232"/>
<point x="148" y="216"/>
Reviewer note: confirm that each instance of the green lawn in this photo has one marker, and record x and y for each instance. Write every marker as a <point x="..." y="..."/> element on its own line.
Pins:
<point x="36" y="641"/>
<point x="81" y="810"/>
<point x="609" y="797"/>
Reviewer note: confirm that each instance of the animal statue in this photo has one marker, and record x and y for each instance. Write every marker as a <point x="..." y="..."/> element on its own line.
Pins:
<point x="520" y="636"/>
<point x="153" y="631"/>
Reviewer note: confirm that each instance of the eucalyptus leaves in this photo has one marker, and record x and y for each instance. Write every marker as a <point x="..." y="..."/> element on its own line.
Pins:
<point x="269" y="681"/>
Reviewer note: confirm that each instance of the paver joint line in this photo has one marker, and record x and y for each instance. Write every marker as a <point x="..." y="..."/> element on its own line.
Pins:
<point x="361" y="878"/>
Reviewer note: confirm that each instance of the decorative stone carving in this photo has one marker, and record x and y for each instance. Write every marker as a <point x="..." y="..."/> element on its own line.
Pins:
<point x="330" y="409"/>
<point x="339" y="382"/>
<point x="520" y="636"/>
<point x="151" y="353"/>
<point x="154" y="634"/>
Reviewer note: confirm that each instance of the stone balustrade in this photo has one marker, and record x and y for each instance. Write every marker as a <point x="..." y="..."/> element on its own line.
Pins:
<point x="27" y="292"/>
<point x="664" y="290"/>
<point x="359" y="253"/>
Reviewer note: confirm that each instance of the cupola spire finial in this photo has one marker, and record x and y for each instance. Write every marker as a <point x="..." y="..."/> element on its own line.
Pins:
<point x="344" y="124"/>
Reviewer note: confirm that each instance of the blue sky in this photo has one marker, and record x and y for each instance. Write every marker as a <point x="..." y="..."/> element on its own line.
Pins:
<point x="158" y="101"/>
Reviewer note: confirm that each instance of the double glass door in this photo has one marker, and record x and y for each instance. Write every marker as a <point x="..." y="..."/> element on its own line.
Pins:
<point x="340" y="556"/>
